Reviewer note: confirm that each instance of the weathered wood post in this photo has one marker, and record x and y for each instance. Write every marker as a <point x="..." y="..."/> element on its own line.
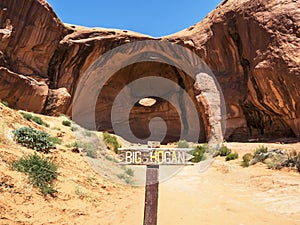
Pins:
<point x="153" y="157"/>
<point x="151" y="195"/>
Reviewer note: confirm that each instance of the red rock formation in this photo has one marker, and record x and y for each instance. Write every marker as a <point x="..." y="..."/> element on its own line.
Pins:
<point x="252" y="47"/>
<point x="29" y="33"/>
<point x="22" y="92"/>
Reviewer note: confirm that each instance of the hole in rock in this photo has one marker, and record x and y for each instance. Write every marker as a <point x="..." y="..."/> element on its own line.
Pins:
<point x="147" y="102"/>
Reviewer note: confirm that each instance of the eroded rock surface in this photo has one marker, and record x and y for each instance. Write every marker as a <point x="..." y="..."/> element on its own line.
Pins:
<point x="252" y="47"/>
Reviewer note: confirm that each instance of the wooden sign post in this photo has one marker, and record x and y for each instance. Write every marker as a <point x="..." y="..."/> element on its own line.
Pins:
<point x="151" y="195"/>
<point x="153" y="157"/>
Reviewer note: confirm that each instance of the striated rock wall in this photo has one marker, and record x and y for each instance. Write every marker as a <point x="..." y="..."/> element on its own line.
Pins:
<point x="252" y="47"/>
<point x="22" y="92"/>
<point x="30" y="33"/>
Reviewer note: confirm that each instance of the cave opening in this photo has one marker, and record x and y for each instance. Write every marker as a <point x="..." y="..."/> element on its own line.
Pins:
<point x="148" y="110"/>
<point x="189" y="104"/>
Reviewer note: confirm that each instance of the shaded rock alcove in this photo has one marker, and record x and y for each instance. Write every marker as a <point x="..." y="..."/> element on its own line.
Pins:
<point x="140" y="116"/>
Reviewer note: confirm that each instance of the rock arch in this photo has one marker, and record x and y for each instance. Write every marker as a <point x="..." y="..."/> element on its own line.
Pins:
<point x="158" y="61"/>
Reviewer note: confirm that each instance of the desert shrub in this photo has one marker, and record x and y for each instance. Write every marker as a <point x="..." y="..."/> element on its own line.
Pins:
<point x="73" y="128"/>
<point x="40" y="171"/>
<point x="87" y="133"/>
<point x="129" y="172"/>
<point x="260" y="150"/>
<point x="66" y="123"/>
<point x="125" y="177"/>
<point x="89" y="148"/>
<point x="198" y="153"/>
<point x="246" y="159"/>
<point x="232" y="156"/>
<point x="39" y="121"/>
<point x="293" y="160"/>
<point x="111" y="140"/>
<point x="224" y="150"/>
<point x="182" y="144"/>
<point x="35" y="119"/>
<point x="72" y="145"/>
<point x="91" y="152"/>
<point x="27" y="116"/>
<point x="5" y="103"/>
<point x="81" y="191"/>
<point x="55" y="140"/>
<point x="260" y="154"/>
<point x="272" y="163"/>
<point x="34" y="139"/>
<point x="298" y="164"/>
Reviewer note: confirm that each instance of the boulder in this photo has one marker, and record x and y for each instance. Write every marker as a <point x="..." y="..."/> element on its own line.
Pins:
<point x="22" y="92"/>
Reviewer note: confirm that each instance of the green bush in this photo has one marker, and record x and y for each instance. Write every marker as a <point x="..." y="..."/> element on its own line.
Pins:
<point x="224" y="151"/>
<point x="129" y="172"/>
<point x="260" y="150"/>
<point x="5" y="103"/>
<point x="72" y="145"/>
<point x="27" y="116"/>
<point x="35" y="119"/>
<point x="260" y="154"/>
<point x="198" y="153"/>
<point x="40" y="171"/>
<point x="182" y="144"/>
<point x="111" y="140"/>
<point x="293" y="160"/>
<point x="126" y="178"/>
<point x="66" y="123"/>
<point x="89" y="148"/>
<point x="81" y="191"/>
<point x="246" y="159"/>
<point x="87" y="133"/>
<point x="39" y="121"/>
<point x="34" y="139"/>
<point x="73" y="128"/>
<point x="91" y="152"/>
<point x="232" y="156"/>
<point x="55" y="140"/>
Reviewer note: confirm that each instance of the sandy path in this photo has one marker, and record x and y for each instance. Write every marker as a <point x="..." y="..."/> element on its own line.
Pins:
<point x="229" y="194"/>
<point x="225" y="194"/>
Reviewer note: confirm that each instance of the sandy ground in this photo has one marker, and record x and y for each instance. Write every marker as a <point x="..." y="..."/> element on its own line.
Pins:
<point x="229" y="194"/>
<point x="224" y="194"/>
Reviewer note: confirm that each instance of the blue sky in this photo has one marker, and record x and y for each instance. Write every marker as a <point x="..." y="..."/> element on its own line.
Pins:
<point x="154" y="17"/>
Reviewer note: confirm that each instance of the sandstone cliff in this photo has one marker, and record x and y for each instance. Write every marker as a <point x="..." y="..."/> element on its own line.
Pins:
<point x="252" y="47"/>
